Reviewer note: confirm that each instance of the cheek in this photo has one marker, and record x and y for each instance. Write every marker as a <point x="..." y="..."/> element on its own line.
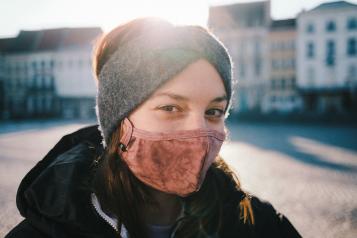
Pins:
<point x="141" y="118"/>
<point x="222" y="128"/>
<point x="217" y="125"/>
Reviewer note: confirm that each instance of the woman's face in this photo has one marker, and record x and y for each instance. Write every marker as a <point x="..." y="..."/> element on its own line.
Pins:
<point x="195" y="98"/>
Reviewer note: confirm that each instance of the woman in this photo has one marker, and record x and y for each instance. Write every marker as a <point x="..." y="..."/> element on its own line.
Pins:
<point x="151" y="167"/>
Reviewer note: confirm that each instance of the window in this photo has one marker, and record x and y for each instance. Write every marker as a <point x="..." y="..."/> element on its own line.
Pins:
<point x="25" y="69"/>
<point x="310" y="76"/>
<point x="281" y="46"/>
<point x="22" y="81"/>
<point x="352" y="73"/>
<point x="59" y="64"/>
<point x="292" y="81"/>
<point x="292" y="45"/>
<point x="38" y="81"/>
<point x="52" y="81"/>
<point x="30" y="103"/>
<point x="283" y="64"/>
<point x="43" y="82"/>
<point x="351" y="47"/>
<point x="330" y="53"/>
<point x="352" y="23"/>
<point x="17" y="68"/>
<point x="48" y="103"/>
<point x="257" y="66"/>
<point x="310" y="50"/>
<point x="34" y="65"/>
<point x="274" y="64"/>
<point x="8" y="69"/>
<point x="46" y="82"/>
<point x="38" y="104"/>
<point x="17" y="82"/>
<point x="52" y="63"/>
<point x="257" y="58"/>
<point x="330" y="26"/>
<point x="32" y="82"/>
<point x="43" y="103"/>
<point x="310" y="28"/>
<point x="288" y="64"/>
<point x="283" y="83"/>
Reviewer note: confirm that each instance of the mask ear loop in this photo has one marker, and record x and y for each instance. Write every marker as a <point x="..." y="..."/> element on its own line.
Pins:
<point x="127" y="130"/>
<point x="122" y="147"/>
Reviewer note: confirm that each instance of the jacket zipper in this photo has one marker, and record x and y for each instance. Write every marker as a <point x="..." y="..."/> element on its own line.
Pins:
<point x="174" y="229"/>
<point x="97" y="210"/>
<point x="123" y="232"/>
<point x="179" y="220"/>
<point x="101" y="215"/>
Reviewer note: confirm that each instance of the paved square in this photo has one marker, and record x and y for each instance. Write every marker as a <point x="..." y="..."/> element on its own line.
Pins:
<point x="309" y="173"/>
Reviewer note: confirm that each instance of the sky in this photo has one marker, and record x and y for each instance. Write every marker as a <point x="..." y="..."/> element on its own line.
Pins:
<point x="16" y="15"/>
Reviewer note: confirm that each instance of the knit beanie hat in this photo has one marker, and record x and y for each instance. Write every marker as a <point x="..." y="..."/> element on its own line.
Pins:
<point x="141" y="65"/>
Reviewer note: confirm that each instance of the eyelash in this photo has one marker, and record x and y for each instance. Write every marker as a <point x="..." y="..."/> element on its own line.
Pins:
<point x="167" y="106"/>
<point x="221" y="112"/>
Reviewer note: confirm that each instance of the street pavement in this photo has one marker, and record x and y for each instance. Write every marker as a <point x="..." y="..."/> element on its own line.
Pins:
<point x="307" y="172"/>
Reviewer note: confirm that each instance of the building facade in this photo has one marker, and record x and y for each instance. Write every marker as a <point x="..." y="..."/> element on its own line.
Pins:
<point x="282" y="95"/>
<point x="40" y="82"/>
<point x="243" y="28"/>
<point x="327" y="57"/>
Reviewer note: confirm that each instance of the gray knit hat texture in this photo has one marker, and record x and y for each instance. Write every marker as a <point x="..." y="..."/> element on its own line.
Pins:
<point x="138" y="67"/>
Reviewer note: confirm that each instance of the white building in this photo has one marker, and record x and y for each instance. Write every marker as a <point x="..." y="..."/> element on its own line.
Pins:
<point x="75" y="83"/>
<point x="48" y="73"/>
<point x="243" y="28"/>
<point x="327" y="56"/>
<point x="29" y="85"/>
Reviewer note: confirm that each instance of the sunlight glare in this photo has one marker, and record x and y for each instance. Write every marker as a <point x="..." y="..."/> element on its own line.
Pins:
<point x="176" y="11"/>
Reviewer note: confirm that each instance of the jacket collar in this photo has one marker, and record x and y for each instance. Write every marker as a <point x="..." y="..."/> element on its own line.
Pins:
<point x="113" y="221"/>
<point x="54" y="196"/>
<point x="56" y="193"/>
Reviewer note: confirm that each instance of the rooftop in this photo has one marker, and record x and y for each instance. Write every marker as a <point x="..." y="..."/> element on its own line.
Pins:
<point x="283" y="24"/>
<point x="240" y="15"/>
<point x="334" y="5"/>
<point x="49" y="39"/>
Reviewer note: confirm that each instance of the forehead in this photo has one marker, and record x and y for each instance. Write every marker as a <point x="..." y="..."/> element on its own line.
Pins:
<point x="199" y="80"/>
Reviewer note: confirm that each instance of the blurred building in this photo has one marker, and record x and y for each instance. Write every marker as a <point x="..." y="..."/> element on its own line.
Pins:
<point x="282" y="95"/>
<point x="47" y="73"/>
<point x="327" y="57"/>
<point x="3" y="44"/>
<point x="244" y="28"/>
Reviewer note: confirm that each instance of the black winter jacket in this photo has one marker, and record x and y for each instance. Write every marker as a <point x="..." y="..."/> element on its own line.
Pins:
<point x="54" y="198"/>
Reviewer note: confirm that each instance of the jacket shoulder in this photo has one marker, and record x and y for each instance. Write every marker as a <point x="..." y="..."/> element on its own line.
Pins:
<point x="269" y="222"/>
<point x="24" y="229"/>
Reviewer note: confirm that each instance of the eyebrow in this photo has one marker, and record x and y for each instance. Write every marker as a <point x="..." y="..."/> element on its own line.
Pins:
<point x="182" y="98"/>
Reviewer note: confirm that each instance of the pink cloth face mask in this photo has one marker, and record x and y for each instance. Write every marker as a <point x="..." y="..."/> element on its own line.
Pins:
<point x="174" y="162"/>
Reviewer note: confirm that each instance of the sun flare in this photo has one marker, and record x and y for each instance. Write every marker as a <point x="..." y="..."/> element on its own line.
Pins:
<point x="176" y="11"/>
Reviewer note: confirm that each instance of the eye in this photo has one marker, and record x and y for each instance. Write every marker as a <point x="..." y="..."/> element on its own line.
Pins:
<point x="169" y="108"/>
<point x="215" y="112"/>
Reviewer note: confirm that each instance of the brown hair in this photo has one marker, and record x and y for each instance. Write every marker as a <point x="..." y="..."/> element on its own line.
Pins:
<point x="122" y="194"/>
